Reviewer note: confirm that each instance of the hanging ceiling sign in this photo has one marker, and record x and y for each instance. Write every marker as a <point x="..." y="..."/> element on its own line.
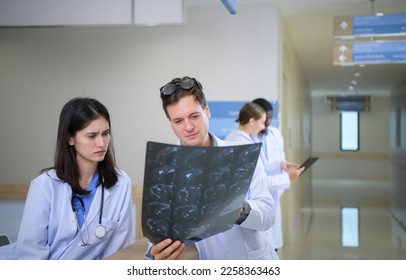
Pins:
<point x="231" y="6"/>
<point x="365" y="26"/>
<point x="370" y="53"/>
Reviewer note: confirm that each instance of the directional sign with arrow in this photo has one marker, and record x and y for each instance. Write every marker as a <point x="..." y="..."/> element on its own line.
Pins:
<point x="369" y="52"/>
<point x="371" y="25"/>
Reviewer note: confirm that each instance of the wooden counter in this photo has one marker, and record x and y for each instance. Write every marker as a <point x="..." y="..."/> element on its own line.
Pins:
<point x="136" y="251"/>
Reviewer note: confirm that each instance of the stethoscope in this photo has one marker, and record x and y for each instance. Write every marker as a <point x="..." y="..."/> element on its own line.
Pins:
<point x="100" y="230"/>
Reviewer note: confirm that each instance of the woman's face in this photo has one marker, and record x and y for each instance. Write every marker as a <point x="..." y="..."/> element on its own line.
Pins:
<point x="91" y="143"/>
<point x="259" y="124"/>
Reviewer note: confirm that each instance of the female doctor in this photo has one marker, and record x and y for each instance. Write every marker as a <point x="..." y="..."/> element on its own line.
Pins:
<point x="80" y="208"/>
<point x="251" y="121"/>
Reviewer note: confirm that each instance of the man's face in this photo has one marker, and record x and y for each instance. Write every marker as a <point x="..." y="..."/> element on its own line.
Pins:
<point x="190" y="122"/>
<point x="268" y="118"/>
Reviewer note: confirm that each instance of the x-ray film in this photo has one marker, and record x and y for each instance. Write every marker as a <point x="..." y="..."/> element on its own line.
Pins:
<point x="191" y="193"/>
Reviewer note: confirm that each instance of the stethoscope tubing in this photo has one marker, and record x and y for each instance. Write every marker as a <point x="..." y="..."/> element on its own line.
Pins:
<point x="100" y="231"/>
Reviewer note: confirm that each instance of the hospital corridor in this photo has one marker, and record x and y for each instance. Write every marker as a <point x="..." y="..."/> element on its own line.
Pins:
<point x="349" y="205"/>
<point x="348" y="221"/>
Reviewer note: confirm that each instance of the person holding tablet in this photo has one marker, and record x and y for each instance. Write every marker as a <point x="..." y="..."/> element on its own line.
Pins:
<point x="276" y="166"/>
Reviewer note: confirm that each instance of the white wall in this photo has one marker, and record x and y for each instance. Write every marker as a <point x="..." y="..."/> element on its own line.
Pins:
<point x="398" y="155"/>
<point x="235" y="58"/>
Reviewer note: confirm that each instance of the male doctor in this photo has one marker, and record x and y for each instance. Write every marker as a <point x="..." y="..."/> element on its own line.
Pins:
<point x="186" y="108"/>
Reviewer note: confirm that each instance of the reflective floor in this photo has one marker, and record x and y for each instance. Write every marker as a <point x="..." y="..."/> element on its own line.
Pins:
<point x="326" y="233"/>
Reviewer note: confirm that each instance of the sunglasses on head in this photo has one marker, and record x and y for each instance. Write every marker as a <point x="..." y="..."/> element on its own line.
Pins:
<point x="170" y="88"/>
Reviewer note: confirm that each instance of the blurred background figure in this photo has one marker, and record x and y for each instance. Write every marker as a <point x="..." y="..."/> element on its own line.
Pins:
<point x="275" y="165"/>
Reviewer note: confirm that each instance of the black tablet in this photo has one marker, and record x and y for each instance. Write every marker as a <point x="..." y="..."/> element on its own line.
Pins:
<point x="308" y="162"/>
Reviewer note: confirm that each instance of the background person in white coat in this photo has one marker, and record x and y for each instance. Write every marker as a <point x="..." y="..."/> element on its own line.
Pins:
<point x="251" y="121"/>
<point x="80" y="208"/>
<point x="186" y="108"/>
<point x="276" y="166"/>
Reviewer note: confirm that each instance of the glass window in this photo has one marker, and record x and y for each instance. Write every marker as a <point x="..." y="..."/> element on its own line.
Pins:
<point x="350" y="226"/>
<point x="398" y="127"/>
<point x="349" y="124"/>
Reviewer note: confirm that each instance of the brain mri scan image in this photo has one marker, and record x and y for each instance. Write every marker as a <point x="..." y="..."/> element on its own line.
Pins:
<point x="191" y="193"/>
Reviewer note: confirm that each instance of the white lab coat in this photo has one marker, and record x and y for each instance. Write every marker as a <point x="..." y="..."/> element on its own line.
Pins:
<point x="248" y="241"/>
<point x="275" y="177"/>
<point x="272" y="154"/>
<point x="48" y="227"/>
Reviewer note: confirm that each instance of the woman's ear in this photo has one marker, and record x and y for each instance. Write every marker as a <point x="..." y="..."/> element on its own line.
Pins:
<point x="251" y="121"/>
<point x="71" y="141"/>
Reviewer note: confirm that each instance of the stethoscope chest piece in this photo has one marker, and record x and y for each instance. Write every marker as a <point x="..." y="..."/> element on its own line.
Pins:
<point x="100" y="231"/>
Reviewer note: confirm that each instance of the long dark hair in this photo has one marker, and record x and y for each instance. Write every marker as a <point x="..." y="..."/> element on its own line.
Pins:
<point x="76" y="115"/>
